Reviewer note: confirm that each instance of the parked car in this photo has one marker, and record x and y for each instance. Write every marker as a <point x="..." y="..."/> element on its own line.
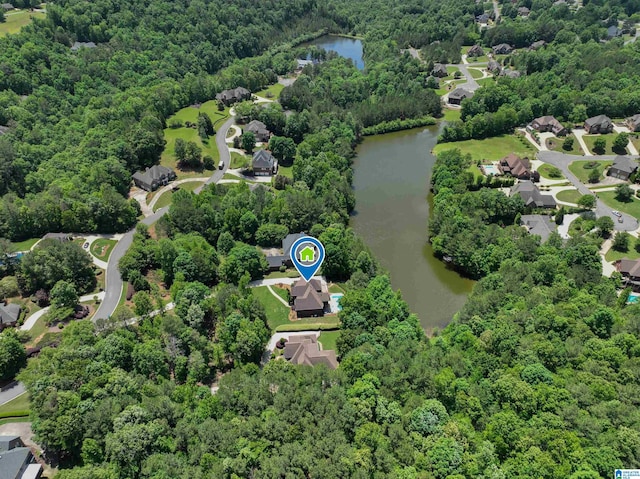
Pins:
<point x="86" y="245"/>
<point x="617" y="213"/>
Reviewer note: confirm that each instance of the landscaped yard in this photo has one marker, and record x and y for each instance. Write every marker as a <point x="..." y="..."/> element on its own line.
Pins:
<point x="291" y="273"/>
<point x="475" y="73"/>
<point x="336" y="288"/>
<point x="578" y="169"/>
<point x="238" y="160"/>
<point x="102" y="248"/>
<point x="451" y="115"/>
<point x="272" y="92"/>
<point x="16" y="19"/>
<point x="277" y="313"/>
<point x="609" y="198"/>
<point x="285" y="171"/>
<point x="546" y="169"/>
<point x="24" y="245"/>
<point x="328" y="339"/>
<point x="555" y="144"/>
<point x="485" y="81"/>
<point x="165" y="198"/>
<point x="609" y="137"/>
<point x="488" y="149"/>
<point x="569" y="196"/>
<point x="283" y="293"/>
<point x="16" y="407"/>
<point x="631" y="253"/>
<point x="483" y="58"/>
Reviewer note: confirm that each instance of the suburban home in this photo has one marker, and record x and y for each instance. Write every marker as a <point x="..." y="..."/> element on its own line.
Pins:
<point x="510" y="73"/>
<point x="475" y="51"/>
<point x="62" y="237"/>
<point x="433" y="81"/>
<point x="613" y="31"/>
<point x="537" y="45"/>
<point x="16" y="460"/>
<point x="302" y="63"/>
<point x="79" y="45"/>
<point x="494" y="66"/>
<point x="264" y="164"/>
<point x="234" y="95"/>
<point x="598" y="124"/>
<point x="9" y="314"/>
<point x="524" y="11"/>
<point x="309" y="299"/>
<point x="7" y="6"/>
<point x="484" y="18"/>
<point x="502" y="49"/>
<point x="633" y="123"/>
<point x="540" y="225"/>
<point x="304" y="350"/>
<point x="548" y="124"/>
<point x="517" y="167"/>
<point x="277" y="261"/>
<point x="457" y="95"/>
<point x="532" y="196"/>
<point x="439" y="70"/>
<point x="623" y="167"/>
<point x="630" y="271"/>
<point x="152" y="178"/>
<point x="259" y="129"/>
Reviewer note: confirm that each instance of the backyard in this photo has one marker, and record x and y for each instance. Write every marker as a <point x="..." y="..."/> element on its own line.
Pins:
<point x="16" y="19"/>
<point x="489" y="148"/>
<point x="101" y="248"/>
<point x="328" y="339"/>
<point x="25" y="245"/>
<point x="271" y="92"/>
<point x="631" y="253"/>
<point x="582" y="168"/>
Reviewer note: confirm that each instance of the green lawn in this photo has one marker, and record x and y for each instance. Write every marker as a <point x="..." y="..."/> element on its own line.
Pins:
<point x="15" y="20"/>
<point x="271" y="92"/>
<point x="291" y="273"/>
<point x="165" y="198"/>
<point x="555" y="144"/>
<point x="569" y="196"/>
<point x="18" y="406"/>
<point x="613" y="255"/>
<point x="444" y="88"/>
<point x="102" y="248"/>
<point x="486" y="81"/>
<point x="578" y="169"/>
<point x="277" y="313"/>
<point x="238" y="160"/>
<point x="283" y="293"/>
<point x="475" y="73"/>
<point x="39" y="328"/>
<point x="24" y="245"/>
<point x="285" y="171"/>
<point x="328" y="339"/>
<point x="451" y="115"/>
<point x="609" y="198"/>
<point x="452" y="71"/>
<point x="545" y="170"/>
<point x="336" y="288"/>
<point x="489" y="149"/>
<point x="14" y="419"/>
<point x="609" y="137"/>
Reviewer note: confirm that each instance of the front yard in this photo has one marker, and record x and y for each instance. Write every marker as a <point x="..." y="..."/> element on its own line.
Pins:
<point x="569" y="196"/>
<point x="632" y="208"/>
<point x="555" y="144"/>
<point x="609" y="137"/>
<point x="581" y="168"/>
<point x="165" y="198"/>
<point x="550" y="172"/>
<point x="101" y="248"/>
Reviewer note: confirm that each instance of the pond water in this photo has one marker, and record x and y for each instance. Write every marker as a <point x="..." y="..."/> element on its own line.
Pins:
<point x="345" y="47"/>
<point x="391" y="180"/>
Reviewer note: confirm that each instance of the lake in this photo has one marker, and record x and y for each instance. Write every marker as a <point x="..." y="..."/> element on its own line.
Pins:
<point x="391" y="181"/>
<point x="345" y="47"/>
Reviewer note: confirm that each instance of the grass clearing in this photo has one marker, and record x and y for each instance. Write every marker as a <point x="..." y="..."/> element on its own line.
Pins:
<point x="578" y="169"/>
<point x="488" y="149"/>
<point x="25" y="245"/>
<point x="18" y="406"/>
<point x="16" y="19"/>
<point x="609" y="198"/>
<point x="165" y="198"/>
<point x="39" y="328"/>
<point x="546" y="169"/>
<point x="555" y="144"/>
<point x="291" y="273"/>
<point x="277" y="313"/>
<point x="451" y="115"/>
<point x="569" y="196"/>
<point x="486" y="81"/>
<point x="336" y="288"/>
<point x="102" y="248"/>
<point x="272" y="92"/>
<point x="631" y="253"/>
<point x="285" y="171"/>
<point x="609" y="137"/>
<point x="238" y="160"/>
<point x="283" y="293"/>
<point x="328" y="339"/>
<point x="476" y="73"/>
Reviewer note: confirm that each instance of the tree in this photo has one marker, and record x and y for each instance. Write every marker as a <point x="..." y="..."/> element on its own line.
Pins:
<point x="243" y="259"/>
<point x="12" y="355"/>
<point x="283" y="148"/>
<point x="225" y="242"/>
<point x="180" y="149"/>
<point x="271" y="234"/>
<point x="599" y="146"/>
<point x="8" y="287"/>
<point x="2" y="17"/>
<point x="594" y="175"/>
<point x="208" y="163"/>
<point x="620" y="143"/>
<point x="143" y="303"/>
<point x="64" y="295"/>
<point x="621" y="241"/>
<point x="624" y="193"/>
<point x="567" y="144"/>
<point x="587" y="201"/>
<point x="605" y="225"/>
<point x="248" y="141"/>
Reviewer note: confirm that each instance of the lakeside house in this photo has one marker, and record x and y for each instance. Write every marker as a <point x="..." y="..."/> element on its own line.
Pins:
<point x="9" y="314"/>
<point x="234" y="95"/>
<point x="630" y="271"/>
<point x="17" y="460"/>
<point x="259" y="129"/>
<point x="548" y="123"/>
<point x="531" y="195"/>
<point x="622" y="168"/>
<point x="517" y="167"/>
<point x="304" y="350"/>
<point x="457" y="95"/>
<point x="277" y="261"/>
<point x="633" y="123"/>
<point x="309" y="299"/>
<point x="540" y="225"/>
<point x="598" y="124"/>
<point x="152" y="178"/>
<point x="264" y="164"/>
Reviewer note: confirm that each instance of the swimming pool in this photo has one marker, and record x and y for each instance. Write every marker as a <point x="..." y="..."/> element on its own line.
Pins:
<point x="633" y="298"/>
<point x="491" y="170"/>
<point x="335" y="302"/>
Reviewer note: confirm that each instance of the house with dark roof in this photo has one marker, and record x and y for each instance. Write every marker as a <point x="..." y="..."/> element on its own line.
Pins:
<point x="540" y="225"/>
<point x="633" y="122"/>
<point x="264" y="164"/>
<point x="537" y="45"/>
<point x="502" y="49"/>
<point x="613" y="31"/>
<point x="234" y="95"/>
<point x="277" y="261"/>
<point x="79" y="45"/>
<point x="304" y="350"/>
<point x="598" y="124"/>
<point x="259" y="129"/>
<point x="630" y="271"/>
<point x="9" y="314"/>
<point x="524" y="11"/>
<point x="8" y="6"/>
<point x="4" y="130"/>
<point x="16" y="460"/>
<point x="62" y="237"/>
<point x="152" y="178"/>
<point x="548" y="123"/>
<point x="494" y="67"/>
<point x="484" y="18"/>
<point x="517" y="167"/>
<point x="457" y="95"/>
<point x="531" y="195"/>
<point x="309" y="299"/>
<point x="510" y="73"/>
<point x="439" y="70"/>
<point x="622" y="168"/>
<point x="475" y="51"/>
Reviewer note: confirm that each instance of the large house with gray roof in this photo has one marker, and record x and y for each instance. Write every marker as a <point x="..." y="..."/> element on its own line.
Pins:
<point x="633" y="122"/>
<point x="9" y="314"/>
<point x="234" y="95"/>
<point x="532" y="197"/>
<point x="598" y="124"/>
<point x="259" y="129"/>
<point x="622" y="168"/>
<point x="152" y="178"/>
<point x="264" y="164"/>
<point x="540" y="225"/>
<point x="16" y="460"/>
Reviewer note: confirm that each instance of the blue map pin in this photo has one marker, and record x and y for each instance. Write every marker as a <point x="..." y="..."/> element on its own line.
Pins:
<point x="307" y="255"/>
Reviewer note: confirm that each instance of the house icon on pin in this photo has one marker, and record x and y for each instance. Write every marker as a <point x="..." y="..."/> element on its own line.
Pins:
<point x="307" y="254"/>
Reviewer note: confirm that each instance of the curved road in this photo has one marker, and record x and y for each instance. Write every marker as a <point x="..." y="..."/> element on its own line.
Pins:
<point x="113" y="281"/>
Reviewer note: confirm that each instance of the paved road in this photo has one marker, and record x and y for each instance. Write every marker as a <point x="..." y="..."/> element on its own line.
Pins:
<point x="496" y="11"/>
<point x="31" y="320"/>
<point x="562" y="161"/>
<point x="12" y="393"/>
<point x="471" y="84"/>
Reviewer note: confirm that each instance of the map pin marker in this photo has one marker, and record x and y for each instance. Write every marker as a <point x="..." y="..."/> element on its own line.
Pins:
<point x="307" y="255"/>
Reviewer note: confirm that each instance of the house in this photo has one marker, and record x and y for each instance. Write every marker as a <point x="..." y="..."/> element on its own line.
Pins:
<point x="62" y="237"/>
<point x="264" y="164"/>
<point x="630" y="271"/>
<point x="524" y="11"/>
<point x="4" y="130"/>
<point x="613" y="31"/>
<point x="633" y="123"/>
<point x="16" y="460"/>
<point x="234" y="95"/>
<point x="154" y="177"/>
<point x="304" y="350"/>
<point x="515" y="166"/>
<point x="457" y="95"/>
<point x="79" y="45"/>
<point x="622" y="168"/>
<point x="439" y="70"/>
<point x="7" y="6"/>
<point x="537" y="45"/>
<point x="302" y="63"/>
<point x="9" y="314"/>
<point x="309" y="298"/>
<point x="475" y="51"/>
<point x="598" y="124"/>
<point x="259" y="129"/>
<point x="288" y="241"/>
<point x="502" y="49"/>
<point x="494" y="66"/>
<point x="277" y="261"/>
<point x="510" y="73"/>
<point x="531" y="195"/>
<point x="540" y="225"/>
<point x="548" y="124"/>
<point x="484" y="18"/>
<point x="431" y="82"/>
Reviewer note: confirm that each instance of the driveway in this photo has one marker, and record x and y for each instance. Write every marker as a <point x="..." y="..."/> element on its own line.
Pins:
<point x="471" y="84"/>
<point x="31" y="320"/>
<point x="630" y="146"/>
<point x="562" y="161"/>
<point x="579" y="133"/>
<point x="274" y="281"/>
<point x="277" y="336"/>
